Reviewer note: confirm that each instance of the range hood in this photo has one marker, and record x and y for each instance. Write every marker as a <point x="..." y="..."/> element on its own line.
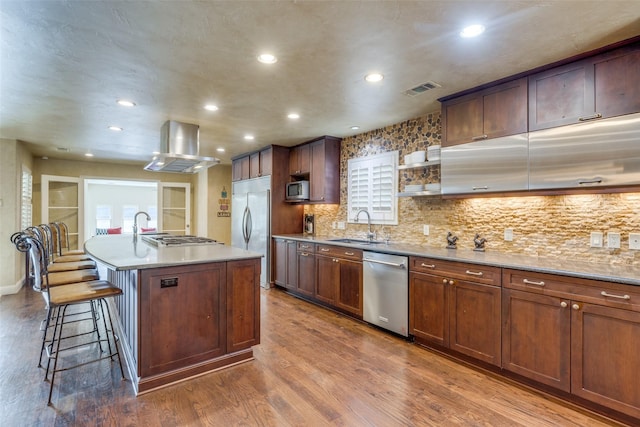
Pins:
<point x="179" y="146"/>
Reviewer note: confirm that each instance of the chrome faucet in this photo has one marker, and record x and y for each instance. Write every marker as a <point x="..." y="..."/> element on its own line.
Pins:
<point x="370" y="234"/>
<point x="135" y="223"/>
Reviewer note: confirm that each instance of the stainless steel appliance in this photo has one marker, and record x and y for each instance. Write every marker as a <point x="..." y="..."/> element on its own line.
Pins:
<point x="297" y="190"/>
<point x="169" y="240"/>
<point x="386" y="291"/>
<point x="309" y="224"/>
<point x="250" y="224"/>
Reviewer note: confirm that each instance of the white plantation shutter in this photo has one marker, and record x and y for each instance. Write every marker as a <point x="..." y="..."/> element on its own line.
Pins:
<point x="372" y="185"/>
<point x="25" y="203"/>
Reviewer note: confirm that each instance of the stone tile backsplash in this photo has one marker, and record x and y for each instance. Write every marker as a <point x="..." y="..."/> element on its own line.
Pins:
<point x="550" y="226"/>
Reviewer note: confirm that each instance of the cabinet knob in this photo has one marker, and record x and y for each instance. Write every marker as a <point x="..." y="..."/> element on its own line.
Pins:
<point x="563" y="304"/>
<point x="451" y="282"/>
<point x="444" y="281"/>
<point x="575" y="307"/>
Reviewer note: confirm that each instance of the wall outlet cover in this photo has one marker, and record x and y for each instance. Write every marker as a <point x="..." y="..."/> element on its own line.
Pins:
<point x="425" y="230"/>
<point x="634" y="241"/>
<point x="508" y="234"/>
<point x="341" y="225"/>
<point x="596" y="239"/>
<point x="613" y="240"/>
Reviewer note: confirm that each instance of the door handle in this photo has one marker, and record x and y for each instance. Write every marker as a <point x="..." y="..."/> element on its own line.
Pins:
<point x="392" y="264"/>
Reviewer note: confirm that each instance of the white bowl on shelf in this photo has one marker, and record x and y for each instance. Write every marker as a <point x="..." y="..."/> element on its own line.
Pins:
<point x="408" y="159"/>
<point x="413" y="188"/>
<point x="433" y="152"/>
<point x="418" y="156"/>
<point x="432" y="187"/>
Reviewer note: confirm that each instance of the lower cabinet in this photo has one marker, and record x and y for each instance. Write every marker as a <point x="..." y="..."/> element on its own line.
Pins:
<point x="306" y="283"/>
<point x="286" y="263"/>
<point x="462" y="315"/>
<point x="243" y="302"/>
<point x="339" y="277"/>
<point x="580" y="336"/>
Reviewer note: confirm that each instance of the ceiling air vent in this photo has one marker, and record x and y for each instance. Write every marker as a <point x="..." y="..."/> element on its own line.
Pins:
<point x="421" y="88"/>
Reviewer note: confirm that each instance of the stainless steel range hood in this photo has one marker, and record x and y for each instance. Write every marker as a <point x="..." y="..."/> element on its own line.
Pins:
<point x="179" y="147"/>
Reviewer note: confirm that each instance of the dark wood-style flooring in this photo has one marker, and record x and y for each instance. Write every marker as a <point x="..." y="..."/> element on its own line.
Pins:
<point x="313" y="368"/>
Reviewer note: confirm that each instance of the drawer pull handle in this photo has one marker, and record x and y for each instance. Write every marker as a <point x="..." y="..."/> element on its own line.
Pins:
<point x="483" y="187"/>
<point x="349" y="253"/>
<point x="530" y="282"/>
<point x="428" y="265"/>
<point x="304" y="246"/>
<point x="480" y="137"/>
<point x="592" y="117"/>
<point x="605" y="294"/>
<point x="596" y="180"/>
<point x="325" y="249"/>
<point x="304" y="254"/>
<point x="474" y="273"/>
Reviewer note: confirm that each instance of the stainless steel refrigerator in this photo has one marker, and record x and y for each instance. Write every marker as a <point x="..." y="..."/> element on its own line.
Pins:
<point x="250" y="223"/>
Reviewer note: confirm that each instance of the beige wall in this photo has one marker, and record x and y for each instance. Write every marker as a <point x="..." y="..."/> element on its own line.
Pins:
<point x="14" y="156"/>
<point x="553" y="226"/>
<point x="219" y="181"/>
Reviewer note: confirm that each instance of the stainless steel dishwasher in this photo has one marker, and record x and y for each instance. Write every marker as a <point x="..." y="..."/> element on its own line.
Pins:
<point x="386" y="291"/>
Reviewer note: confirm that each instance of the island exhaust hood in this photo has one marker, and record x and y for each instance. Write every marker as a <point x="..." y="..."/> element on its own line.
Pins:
<point x="179" y="146"/>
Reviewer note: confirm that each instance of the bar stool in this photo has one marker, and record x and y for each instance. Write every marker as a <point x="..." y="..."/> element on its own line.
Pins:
<point x="62" y="240"/>
<point x="64" y="263"/>
<point x="58" y="300"/>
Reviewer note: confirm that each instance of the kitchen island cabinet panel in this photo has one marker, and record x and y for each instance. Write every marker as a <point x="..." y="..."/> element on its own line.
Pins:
<point x="536" y="337"/>
<point x="182" y="314"/>
<point x="605" y="356"/>
<point x="243" y="301"/>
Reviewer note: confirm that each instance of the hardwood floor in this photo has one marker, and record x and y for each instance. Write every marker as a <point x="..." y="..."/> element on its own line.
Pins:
<point x="313" y="368"/>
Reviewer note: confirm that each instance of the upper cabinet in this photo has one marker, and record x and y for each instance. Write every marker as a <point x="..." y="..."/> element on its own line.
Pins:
<point x="252" y="165"/>
<point x="240" y="168"/>
<point x="300" y="160"/>
<point x="601" y="86"/>
<point x="490" y="113"/>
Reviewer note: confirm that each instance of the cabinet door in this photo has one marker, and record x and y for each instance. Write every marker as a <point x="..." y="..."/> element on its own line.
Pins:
<point x="429" y="308"/>
<point x="240" y="169"/>
<point x="266" y="160"/>
<point x="617" y="82"/>
<point x="300" y="160"/>
<point x="605" y="356"/>
<point x="306" y="284"/>
<point x="243" y="304"/>
<point x="349" y="295"/>
<point x="474" y="321"/>
<point x="197" y="293"/>
<point x="536" y="337"/>
<point x="292" y="265"/>
<point x="317" y="176"/>
<point x="327" y="278"/>
<point x="462" y="120"/>
<point x="254" y="165"/>
<point x="280" y="262"/>
<point x="561" y="96"/>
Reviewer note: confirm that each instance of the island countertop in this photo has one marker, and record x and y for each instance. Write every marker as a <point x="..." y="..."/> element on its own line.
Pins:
<point x="122" y="252"/>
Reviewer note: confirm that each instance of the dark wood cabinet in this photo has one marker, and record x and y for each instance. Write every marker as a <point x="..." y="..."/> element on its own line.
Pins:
<point x="286" y="263"/>
<point x="490" y="113"/>
<point x="260" y="163"/>
<point x="240" y="168"/>
<point x="463" y="315"/>
<point x="243" y="302"/>
<point x="306" y="284"/>
<point x="324" y="178"/>
<point x="601" y="86"/>
<point x="339" y="278"/>
<point x="327" y="278"/>
<point x="349" y="293"/>
<point x="300" y="160"/>
<point x="578" y="335"/>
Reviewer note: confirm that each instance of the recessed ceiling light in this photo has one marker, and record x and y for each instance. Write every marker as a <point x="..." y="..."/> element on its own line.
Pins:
<point x="249" y="137"/>
<point x="355" y="127"/>
<point x="220" y="150"/>
<point x="267" y="58"/>
<point x="211" y="107"/>
<point x="294" y="116"/>
<point x="373" y="77"/>
<point x="126" y="103"/>
<point x="472" y="31"/>
<point x="197" y="167"/>
<point x="115" y="128"/>
<point x="88" y="155"/>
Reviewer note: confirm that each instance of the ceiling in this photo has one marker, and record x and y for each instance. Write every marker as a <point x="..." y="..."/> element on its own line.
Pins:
<point x="63" y="65"/>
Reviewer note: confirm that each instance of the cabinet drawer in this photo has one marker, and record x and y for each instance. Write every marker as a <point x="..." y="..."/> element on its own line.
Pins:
<point x="339" y="252"/>
<point x="593" y="291"/>
<point x="306" y="247"/>
<point x="472" y="272"/>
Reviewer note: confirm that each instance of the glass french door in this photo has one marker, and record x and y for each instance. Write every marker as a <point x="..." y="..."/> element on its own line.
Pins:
<point x="62" y="202"/>
<point x="175" y="207"/>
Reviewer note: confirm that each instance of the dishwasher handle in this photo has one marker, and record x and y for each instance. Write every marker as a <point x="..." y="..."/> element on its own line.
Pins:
<point x="391" y="264"/>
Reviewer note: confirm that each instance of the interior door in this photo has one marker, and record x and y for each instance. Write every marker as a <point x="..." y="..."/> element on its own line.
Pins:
<point x="62" y="201"/>
<point x="175" y="208"/>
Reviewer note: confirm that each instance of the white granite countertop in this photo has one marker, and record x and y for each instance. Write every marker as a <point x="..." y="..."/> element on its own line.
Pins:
<point x="625" y="274"/>
<point x="122" y="253"/>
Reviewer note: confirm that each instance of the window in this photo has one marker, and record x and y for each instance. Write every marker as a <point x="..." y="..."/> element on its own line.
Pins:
<point x="128" y="212"/>
<point x="103" y="216"/>
<point x="25" y="203"/>
<point x="152" y="210"/>
<point x="372" y="184"/>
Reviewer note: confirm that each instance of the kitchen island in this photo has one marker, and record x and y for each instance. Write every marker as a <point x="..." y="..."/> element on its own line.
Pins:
<point x="185" y="310"/>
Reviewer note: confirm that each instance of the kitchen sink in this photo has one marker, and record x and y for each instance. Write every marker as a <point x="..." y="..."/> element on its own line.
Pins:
<point x="357" y="241"/>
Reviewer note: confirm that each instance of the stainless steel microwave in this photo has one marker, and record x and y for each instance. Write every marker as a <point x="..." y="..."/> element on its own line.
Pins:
<point x="297" y="190"/>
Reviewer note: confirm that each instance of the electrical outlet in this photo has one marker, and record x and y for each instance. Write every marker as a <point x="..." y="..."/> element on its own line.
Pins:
<point x="634" y="241"/>
<point x="425" y="230"/>
<point x="341" y="225"/>
<point x="613" y="240"/>
<point x="334" y="225"/>
<point x="596" y="239"/>
<point x="508" y="234"/>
